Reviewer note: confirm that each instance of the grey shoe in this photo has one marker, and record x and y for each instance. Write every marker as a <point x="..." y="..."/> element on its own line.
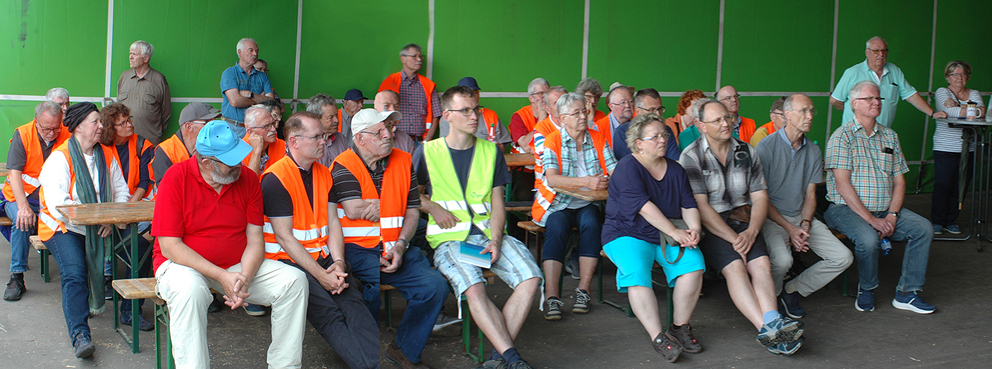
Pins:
<point x="552" y="308"/>
<point x="582" y="299"/>
<point x="572" y="266"/>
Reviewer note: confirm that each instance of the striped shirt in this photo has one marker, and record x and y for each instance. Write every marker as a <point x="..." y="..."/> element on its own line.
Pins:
<point x="570" y="156"/>
<point x="727" y="187"/>
<point x="413" y="106"/>
<point x="873" y="159"/>
<point x="945" y="138"/>
<point x="346" y="185"/>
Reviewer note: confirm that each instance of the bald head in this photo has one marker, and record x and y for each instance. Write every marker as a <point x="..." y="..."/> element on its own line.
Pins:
<point x="387" y="100"/>
<point x="730" y="99"/>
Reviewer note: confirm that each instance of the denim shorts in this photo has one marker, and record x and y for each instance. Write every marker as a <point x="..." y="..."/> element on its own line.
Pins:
<point x="515" y="264"/>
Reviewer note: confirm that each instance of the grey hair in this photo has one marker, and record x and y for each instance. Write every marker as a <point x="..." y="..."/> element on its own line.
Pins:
<point x="537" y="81"/>
<point x="318" y="101"/>
<point x="57" y="92"/>
<point x="868" y="43"/>
<point x="566" y="101"/>
<point x="49" y="107"/>
<point x="856" y="90"/>
<point x="636" y="129"/>
<point x="241" y="42"/>
<point x="251" y="115"/>
<point x="699" y="106"/>
<point x="146" y="48"/>
<point x="590" y="85"/>
<point x="408" y="47"/>
<point x="617" y="88"/>
<point x="556" y="88"/>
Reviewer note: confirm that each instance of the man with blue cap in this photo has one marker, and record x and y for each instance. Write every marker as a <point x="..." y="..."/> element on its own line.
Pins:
<point x="490" y="128"/>
<point x="208" y="229"/>
<point x="353" y="102"/>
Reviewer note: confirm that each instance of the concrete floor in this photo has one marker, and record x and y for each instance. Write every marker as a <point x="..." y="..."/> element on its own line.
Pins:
<point x="958" y="334"/>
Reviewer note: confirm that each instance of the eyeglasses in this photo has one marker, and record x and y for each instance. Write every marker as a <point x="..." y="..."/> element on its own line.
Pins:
<point x="49" y="130"/>
<point x="729" y="118"/>
<point x="777" y="112"/>
<point x="870" y="99"/>
<point x="415" y="56"/>
<point x="378" y="133"/>
<point x="957" y="75"/>
<point x="810" y="111"/>
<point x="659" y="110"/>
<point x="879" y="51"/>
<point x="731" y="97"/>
<point x="625" y="102"/>
<point x="538" y="93"/>
<point x="468" y="111"/>
<point x="577" y="112"/>
<point x="655" y="137"/>
<point x="322" y="137"/>
<point x="129" y="120"/>
<point x="267" y="127"/>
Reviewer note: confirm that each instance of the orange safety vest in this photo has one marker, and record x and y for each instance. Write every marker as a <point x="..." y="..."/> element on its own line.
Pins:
<point x="392" y="200"/>
<point x="545" y="128"/>
<point x="747" y="129"/>
<point x="133" y="163"/>
<point x="490" y="119"/>
<point x="603" y="126"/>
<point x="526" y="115"/>
<point x="675" y="124"/>
<point x="546" y="194"/>
<point x="275" y="151"/>
<point x="309" y="222"/>
<point x="341" y="120"/>
<point x="35" y="159"/>
<point x="393" y="83"/>
<point x="47" y="224"/>
<point x="175" y="149"/>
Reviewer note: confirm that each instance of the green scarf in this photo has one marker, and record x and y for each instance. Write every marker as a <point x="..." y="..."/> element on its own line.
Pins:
<point x="98" y="249"/>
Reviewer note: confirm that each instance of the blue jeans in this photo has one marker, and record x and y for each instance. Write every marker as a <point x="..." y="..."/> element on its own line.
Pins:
<point x="69" y="251"/>
<point x="19" y="242"/>
<point x="910" y="227"/>
<point x="558" y="227"/>
<point x="423" y="287"/>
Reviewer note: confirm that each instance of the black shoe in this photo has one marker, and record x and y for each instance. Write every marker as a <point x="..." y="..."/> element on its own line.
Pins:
<point x="108" y="288"/>
<point x="143" y="325"/>
<point x="82" y="346"/>
<point x="215" y="305"/>
<point x="15" y="287"/>
<point x="685" y="338"/>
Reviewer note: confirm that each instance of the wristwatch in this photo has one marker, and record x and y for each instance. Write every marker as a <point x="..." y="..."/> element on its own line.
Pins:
<point x="892" y="213"/>
<point x="251" y="94"/>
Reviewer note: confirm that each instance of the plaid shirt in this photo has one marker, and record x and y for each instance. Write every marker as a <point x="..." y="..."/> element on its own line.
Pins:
<point x="413" y="106"/>
<point x="568" y="167"/>
<point x="873" y="159"/>
<point x="726" y="187"/>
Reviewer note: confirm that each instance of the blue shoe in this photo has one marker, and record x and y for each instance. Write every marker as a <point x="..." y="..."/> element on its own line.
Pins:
<point x="787" y="348"/>
<point x="938" y="229"/>
<point x="255" y="310"/>
<point x="910" y="301"/>
<point x="952" y="229"/>
<point x="790" y="305"/>
<point x="780" y="330"/>
<point x="865" y="301"/>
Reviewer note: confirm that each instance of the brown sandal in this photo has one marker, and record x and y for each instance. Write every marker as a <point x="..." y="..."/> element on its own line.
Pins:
<point x="668" y="346"/>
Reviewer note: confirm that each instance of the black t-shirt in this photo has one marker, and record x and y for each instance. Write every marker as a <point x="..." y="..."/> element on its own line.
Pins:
<point x="17" y="155"/>
<point x="346" y="185"/>
<point x="276" y="199"/>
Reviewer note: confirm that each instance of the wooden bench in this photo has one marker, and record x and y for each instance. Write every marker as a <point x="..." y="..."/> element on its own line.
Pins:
<point x="144" y="288"/>
<point x="6" y="221"/>
<point x="522" y="207"/>
<point x="43" y="250"/>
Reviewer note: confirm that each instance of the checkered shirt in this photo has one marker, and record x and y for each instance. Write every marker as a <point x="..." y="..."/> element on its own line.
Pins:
<point x="874" y="160"/>
<point x="727" y="187"/>
<point x="569" y="151"/>
<point x="413" y="105"/>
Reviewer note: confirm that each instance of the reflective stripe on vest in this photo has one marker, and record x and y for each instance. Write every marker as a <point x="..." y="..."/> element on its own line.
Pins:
<point x="34" y="159"/>
<point x="310" y="225"/>
<point x="545" y="194"/>
<point x="448" y="193"/>
<point x="47" y="224"/>
<point x="392" y="200"/>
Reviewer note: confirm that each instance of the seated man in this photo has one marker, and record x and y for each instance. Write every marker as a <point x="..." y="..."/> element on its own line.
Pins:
<point x="490" y="128"/>
<point x="323" y="106"/>
<point x="299" y="233"/>
<point x="866" y="186"/>
<point x="376" y="198"/>
<point x="387" y="101"/>
<point x="575" y="157"/>
<point x="646" y="101"/>
<point x="208" y="229"/>
<point x="182" y="145"/>
<point x="792" y="167"/>
<point x="777" y="117"/>
<point x="726" y="179"/>
<point x="475" y="215"/>
<point x="266" y="147"/>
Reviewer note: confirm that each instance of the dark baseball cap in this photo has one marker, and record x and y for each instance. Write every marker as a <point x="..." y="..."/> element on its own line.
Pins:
<point x="354" y="95"/>
<point x="469" y="82"/>
<point x="198" y="111"/>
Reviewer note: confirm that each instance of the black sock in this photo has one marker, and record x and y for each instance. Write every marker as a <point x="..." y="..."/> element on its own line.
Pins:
<point x="676" y="327"/>
<point x="511" y="356"/>
<point x="496" y="355"/>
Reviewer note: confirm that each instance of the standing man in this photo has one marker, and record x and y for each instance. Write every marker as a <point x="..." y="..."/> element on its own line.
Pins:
<point x="323" y="106"/>
<point x="777" y="117"/>
<point x="59" y="96"/>
<point x="793" y="166"/>
<point x="30" y="146"/>
<point x="866" y="186"/>
<point x="266" y="147"/>
<point x="727" y="181"/>
<point x="387" y="101"/>
<point x="621" y="104"/>
<point x="182" y="145"/>
<point x="208" y="229"/>
<point x="419" y="103"/>
<point x="299" y="233"/>
<point x="893" y="85"/>
<point x="243" y="86"/>
<point x="646" y="101"/>
<point x="464" y="177"/>
<point x="375" y="192"/>
<point x="353" y="102"/>
<point x="146" y="92"/>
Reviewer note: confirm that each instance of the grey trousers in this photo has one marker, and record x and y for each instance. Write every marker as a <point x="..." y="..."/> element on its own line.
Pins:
<point x="836" y="257"/>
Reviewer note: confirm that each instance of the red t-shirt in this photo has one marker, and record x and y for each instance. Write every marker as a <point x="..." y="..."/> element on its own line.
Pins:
<point x="211" y="224"/>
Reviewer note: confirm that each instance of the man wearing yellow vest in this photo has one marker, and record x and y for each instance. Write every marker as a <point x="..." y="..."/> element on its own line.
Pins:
<point x="182" y="145"/>
<point x="464" y="177"/>
<point x="266" y="147"/>
<point x="29" y="148"/>
<point x="418" y="96"/>
<point x="299" y="232"/>
<point x="490" y="128"/>
<point x="575" y="157"/>
<point x="376" y="198"/>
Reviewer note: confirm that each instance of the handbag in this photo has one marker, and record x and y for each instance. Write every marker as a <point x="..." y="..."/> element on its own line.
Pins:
<point x="680" y="224"/>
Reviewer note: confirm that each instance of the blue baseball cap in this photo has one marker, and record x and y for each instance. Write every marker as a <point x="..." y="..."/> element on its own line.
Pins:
<point x="354" y="95"/>
<point x="217" y="139"/>
<point x="469" y="82"/>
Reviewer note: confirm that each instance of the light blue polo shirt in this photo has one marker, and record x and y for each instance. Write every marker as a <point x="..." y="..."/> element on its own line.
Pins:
<point x="892" y="86"/>
<point x="236" y="78"/>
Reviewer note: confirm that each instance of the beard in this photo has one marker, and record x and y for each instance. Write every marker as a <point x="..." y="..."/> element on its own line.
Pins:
<point x="225" y="178"/>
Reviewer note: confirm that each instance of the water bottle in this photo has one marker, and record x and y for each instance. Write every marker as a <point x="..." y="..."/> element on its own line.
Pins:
<point x="886" y="246"/>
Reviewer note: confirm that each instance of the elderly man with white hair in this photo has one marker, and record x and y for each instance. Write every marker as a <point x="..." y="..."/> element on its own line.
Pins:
<point x="242" y="86"/>
<point x="59" y="96"/>
<point x="146" y="92"/>
<point x="266" y="147"/>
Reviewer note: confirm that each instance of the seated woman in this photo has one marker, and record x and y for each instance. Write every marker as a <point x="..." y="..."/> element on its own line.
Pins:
<point x="650" y="201"/>
<point x="948" y="145"/>
<point x="134" y="154"/>
<point x="574" y="158"/>
<point x="77" y="172"/>
<point x="683" y="118"/>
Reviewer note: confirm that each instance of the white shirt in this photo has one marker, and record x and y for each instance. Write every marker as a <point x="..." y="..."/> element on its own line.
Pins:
<point x="54" y="178"/>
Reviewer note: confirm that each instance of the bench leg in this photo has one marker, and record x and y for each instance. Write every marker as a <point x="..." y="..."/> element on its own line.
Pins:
<point x="44" y="265"/>
<point x="671" y="308"/>
<point x="162" y="328"/>
<point x="389" y="308"/>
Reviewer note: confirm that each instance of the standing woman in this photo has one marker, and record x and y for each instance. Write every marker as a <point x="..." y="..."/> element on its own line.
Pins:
<point x="77" y="173"/>
<point x="947" y="146"/>
<point x="651" y="216"/>
<point x="134" y="155"/>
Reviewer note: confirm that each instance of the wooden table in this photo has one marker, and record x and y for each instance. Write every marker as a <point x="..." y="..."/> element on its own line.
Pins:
<point x="519" y="160"/>
<point x="588" y="195"/>
<point x="117" y="213"/>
